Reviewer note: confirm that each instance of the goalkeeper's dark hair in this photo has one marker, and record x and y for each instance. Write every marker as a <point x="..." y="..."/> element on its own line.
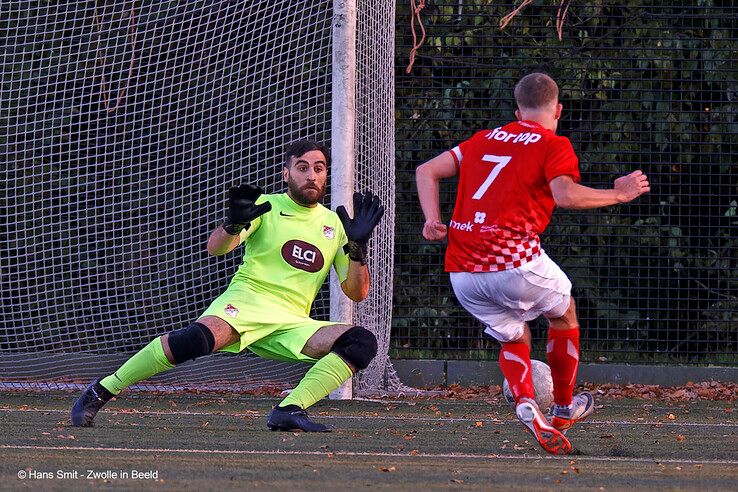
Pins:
<point x="300" y="147"/>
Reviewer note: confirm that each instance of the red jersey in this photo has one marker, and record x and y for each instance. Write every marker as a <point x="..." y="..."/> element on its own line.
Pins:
<point x="504" y="200"/>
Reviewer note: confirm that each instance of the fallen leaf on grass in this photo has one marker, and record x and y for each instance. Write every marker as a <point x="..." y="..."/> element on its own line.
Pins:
<point x="478" y="423"/>
<point x="456" y="480"/>
<point x="390" y="469"/>
<point x="671" y="416"/>
<point x="201" y="404"/>
<point x="691" y="391"/>
<point x="680" y="437"/>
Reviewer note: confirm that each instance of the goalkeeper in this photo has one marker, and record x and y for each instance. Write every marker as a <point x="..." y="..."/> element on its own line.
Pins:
<point x="291" y="242"/>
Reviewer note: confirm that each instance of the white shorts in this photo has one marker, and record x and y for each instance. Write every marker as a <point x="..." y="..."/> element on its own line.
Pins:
<point x="505" y="300"/>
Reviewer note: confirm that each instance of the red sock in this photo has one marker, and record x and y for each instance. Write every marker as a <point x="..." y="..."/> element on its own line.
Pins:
<point x="515" y="365"/>
<point x="562" y="352"/>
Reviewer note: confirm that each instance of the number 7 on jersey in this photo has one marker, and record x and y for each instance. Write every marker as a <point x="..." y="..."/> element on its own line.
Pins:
<point x="502" y="160"/>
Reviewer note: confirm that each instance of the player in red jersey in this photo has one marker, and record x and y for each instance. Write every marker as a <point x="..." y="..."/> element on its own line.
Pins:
<point x="510" y="179"/>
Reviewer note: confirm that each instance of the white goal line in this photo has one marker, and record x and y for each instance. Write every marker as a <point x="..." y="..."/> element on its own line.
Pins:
<point x="248" y="452"/>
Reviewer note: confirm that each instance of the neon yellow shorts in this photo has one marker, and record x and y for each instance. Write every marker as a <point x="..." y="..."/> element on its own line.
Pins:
<point x="268" y="329"/>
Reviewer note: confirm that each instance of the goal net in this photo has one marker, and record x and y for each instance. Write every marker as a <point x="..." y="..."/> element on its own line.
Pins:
<point x="122" y="125"/>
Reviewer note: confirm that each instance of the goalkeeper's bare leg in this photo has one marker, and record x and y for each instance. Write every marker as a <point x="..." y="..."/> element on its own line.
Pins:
<point x="341" y="350"/>
<point x="206" y="335"/>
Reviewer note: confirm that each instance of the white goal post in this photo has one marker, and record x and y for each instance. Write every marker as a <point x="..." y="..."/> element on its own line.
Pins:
<point x="343" y="142"/>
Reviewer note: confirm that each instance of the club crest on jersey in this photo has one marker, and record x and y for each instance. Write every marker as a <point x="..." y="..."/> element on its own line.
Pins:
<point x="231" y="310"/>
<point x="479" y="217"/>
<point x="329" y="232"/>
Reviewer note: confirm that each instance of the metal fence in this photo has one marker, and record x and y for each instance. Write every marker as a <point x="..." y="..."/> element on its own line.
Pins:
<point x="645" y="85"/>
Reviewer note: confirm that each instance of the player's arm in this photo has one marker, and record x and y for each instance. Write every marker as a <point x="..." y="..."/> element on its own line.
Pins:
<point x="568" y="194"/>
<point x="220" y="242"/>
<point x="242" y="210"/>
<point x="356" y="285"/>
<point x="367" y="214"/>
<point x="427" y="179"/>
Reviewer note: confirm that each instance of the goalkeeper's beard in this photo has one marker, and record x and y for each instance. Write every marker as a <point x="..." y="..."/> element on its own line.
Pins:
<point x="305" y="195"/>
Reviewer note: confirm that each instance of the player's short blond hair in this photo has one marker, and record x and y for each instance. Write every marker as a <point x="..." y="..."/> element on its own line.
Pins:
<point x="536" y="90"/>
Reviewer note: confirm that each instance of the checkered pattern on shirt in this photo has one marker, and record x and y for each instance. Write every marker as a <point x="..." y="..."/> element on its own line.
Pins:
<point x="504" y="254"/>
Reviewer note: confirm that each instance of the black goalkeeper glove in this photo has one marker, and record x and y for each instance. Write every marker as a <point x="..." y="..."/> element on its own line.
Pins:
<point x="367" y="214"/>
<point x="242" y="208"/>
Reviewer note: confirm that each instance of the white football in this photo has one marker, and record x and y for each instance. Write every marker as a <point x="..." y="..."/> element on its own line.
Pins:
<point x="542" y="384"/>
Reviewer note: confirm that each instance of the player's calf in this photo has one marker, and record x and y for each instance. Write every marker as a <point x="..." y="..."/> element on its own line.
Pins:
<point x="351" y="351"/>
<point x="89" y="403"/>
<point x="563" y="417"/>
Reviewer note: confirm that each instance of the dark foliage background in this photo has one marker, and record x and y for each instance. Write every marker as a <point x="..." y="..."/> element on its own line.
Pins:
<point x="645" y="85"/>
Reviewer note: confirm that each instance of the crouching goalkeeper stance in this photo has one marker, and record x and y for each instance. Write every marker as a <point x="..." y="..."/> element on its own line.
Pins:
<point x="291" y="242"/>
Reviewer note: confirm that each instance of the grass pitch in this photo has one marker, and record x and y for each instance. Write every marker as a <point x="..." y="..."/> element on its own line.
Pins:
<point x="185" y="441"/>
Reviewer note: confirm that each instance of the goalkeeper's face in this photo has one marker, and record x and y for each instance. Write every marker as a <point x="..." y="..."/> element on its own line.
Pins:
<point x="306" y="178"/>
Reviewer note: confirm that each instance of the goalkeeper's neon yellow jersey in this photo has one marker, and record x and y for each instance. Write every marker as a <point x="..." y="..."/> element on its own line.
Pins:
<point x="289" y="252"/>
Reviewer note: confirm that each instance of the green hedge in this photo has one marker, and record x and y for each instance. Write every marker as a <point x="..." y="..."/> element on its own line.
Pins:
<point x="644" y="85"/>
